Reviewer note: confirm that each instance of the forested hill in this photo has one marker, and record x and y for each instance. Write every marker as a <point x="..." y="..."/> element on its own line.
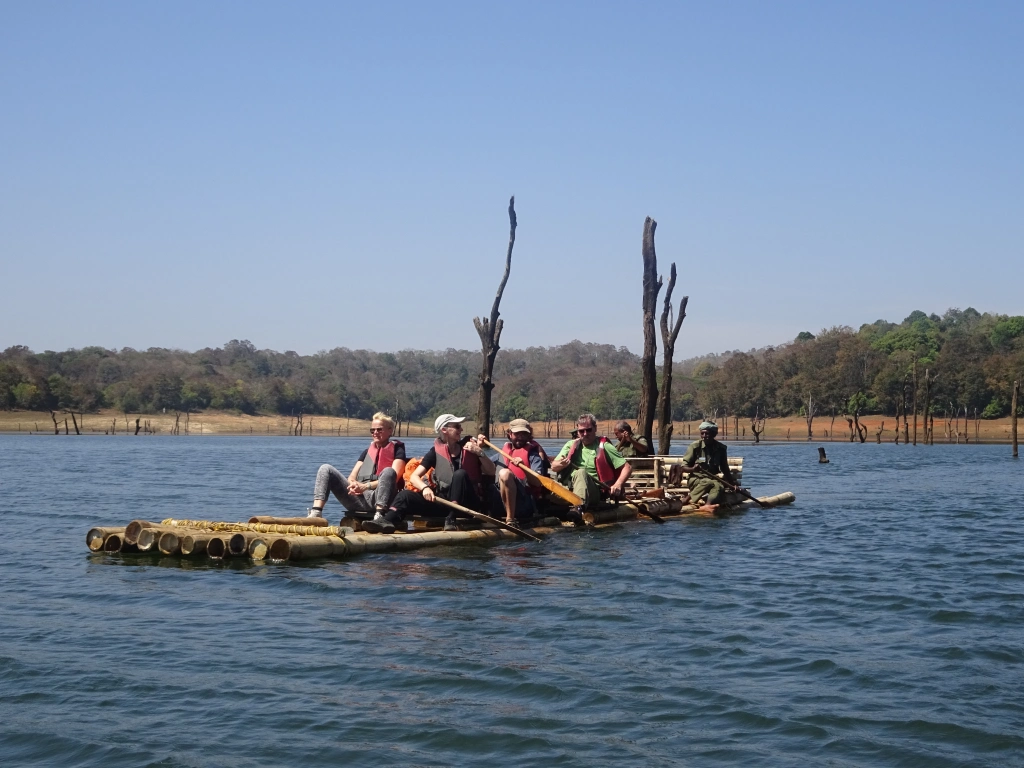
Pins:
<point x="974" y="358"/>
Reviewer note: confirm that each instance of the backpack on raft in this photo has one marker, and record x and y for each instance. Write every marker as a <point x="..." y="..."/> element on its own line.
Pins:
<point x="410" y="468"/>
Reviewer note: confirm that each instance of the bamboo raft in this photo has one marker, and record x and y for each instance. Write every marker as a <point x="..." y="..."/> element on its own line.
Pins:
<point x="277" y="540"/>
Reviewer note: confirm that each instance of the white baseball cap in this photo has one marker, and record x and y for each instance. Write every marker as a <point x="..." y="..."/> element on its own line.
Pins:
<point x="445" y="419"/>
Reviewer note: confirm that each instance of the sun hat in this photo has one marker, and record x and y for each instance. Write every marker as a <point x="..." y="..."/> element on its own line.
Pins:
<point x="520" y="425"/>
<point x="710" y="426"/>
<point x="445" y="419"/>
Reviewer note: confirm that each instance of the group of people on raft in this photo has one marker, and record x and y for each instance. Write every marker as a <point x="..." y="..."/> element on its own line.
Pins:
<point x="385" y="488"/>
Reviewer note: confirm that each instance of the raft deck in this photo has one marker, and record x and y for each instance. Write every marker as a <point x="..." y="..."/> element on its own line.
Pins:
<point x="260" y="542"/>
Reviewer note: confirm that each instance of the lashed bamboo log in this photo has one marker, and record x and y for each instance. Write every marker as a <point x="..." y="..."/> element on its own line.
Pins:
<point x="194" y="544"/>
<point x="271" y="520"/>
<point x="169" y="542"/>
<point x="115" y="543"/>
<point x="217" y="547"/>
<point x="238" y="544"/>
<point x="291" y="530"/>
<point x="149" y="538"/>
<point x="259" y="548"/>
<point x="96" y="537"/>
<point x="132" y="530"/>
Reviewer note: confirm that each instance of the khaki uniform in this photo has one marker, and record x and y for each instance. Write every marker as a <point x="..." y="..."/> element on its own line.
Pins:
<point x="713" y="457"/>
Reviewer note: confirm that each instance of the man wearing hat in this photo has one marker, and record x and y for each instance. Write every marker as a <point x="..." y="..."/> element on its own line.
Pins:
<point x="713" y="456"/>
<point x="520" y="491"/>
<point x="460" y="467"/>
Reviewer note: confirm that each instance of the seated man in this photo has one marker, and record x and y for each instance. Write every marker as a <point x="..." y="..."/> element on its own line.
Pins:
<point x="372" y="484"/>
<point x="459" y="468"/>
<point x="712" y="456"/>
<point x="629" y="444"/>
<point x="519" y="490"/>
<point x="591" y="464"/>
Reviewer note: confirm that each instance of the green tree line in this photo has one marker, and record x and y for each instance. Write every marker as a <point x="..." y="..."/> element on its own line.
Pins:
<point x="973" y="358"/>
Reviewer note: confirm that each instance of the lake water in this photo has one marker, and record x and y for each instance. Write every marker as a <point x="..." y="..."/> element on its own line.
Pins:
<point x="877" y="621"/>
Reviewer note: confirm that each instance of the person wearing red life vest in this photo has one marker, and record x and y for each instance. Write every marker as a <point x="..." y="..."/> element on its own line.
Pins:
<point x="519" y="490"/>
<point x="590" y="462"/>
<point x="463" y="473"/>
<point x="373" y="483"/>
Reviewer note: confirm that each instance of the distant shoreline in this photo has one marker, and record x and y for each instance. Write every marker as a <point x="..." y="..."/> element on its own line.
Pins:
<point x="790" y="429"/>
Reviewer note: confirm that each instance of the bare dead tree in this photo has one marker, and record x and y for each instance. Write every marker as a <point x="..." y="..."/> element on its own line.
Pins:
<point x="648" y="368"/>
<point x="881" y="429"/>
<point x="137" y="425"/>
<point x="914" y="405"/>
<point x="812" y="410"/>
<point x="757" y="424"/>
<point x="489" y="330"/>
<point x="1013" y="416"/>
<point x="669" y="334"/>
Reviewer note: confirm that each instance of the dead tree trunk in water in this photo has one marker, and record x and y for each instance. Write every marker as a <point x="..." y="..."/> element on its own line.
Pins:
<point x="489" y="330"/>
<point x="1013" y="416"/>
<point x="914" y="404"/>
<point x="648" y="368"/>
<point x="757" y="425"/>
<point x="812" y="409"/>
<point x="668" y="341"/>
<point x="56" y="426"/>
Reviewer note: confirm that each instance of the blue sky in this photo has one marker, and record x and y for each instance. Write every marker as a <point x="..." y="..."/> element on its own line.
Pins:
<point x="315" y="175"/>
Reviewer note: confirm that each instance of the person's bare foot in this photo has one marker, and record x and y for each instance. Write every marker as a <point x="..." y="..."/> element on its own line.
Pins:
<point x="709" y="508"/>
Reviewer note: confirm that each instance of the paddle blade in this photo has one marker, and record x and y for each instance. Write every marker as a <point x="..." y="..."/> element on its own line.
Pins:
<point x="559" y="490"/>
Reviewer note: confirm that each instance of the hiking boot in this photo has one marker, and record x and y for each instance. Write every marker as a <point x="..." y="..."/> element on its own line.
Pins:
<point x="379" y="524"/>
<point x="575" y="516"/>
<point x="450" y="524"/>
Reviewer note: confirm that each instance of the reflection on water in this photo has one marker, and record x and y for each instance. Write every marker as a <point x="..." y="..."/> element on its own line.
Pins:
<point x="876" y="622"/>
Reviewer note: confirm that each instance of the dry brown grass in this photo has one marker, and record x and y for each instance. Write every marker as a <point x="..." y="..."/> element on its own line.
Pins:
<point x="226" y="423"/>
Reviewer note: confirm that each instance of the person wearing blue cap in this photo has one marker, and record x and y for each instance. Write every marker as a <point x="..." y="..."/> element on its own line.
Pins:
<point x="712" y="456"/>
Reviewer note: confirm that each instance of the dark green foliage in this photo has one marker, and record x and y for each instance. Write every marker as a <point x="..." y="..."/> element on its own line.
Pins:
<point x="974" y="357"/>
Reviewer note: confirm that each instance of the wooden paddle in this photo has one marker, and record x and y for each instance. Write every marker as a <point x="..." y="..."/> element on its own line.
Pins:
<point x="552" y="485"/>
<point x="702" y="470"/>
<point x="486" y="518"/>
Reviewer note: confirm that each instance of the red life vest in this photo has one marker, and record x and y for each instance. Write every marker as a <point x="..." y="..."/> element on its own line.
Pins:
<point x="524" y="455"/>
<point x="444" y="471"/>
<point x="377" y="460"/>
<point x="606" y="473"/>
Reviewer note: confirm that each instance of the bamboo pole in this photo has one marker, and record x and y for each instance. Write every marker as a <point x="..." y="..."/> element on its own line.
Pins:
<point x="217" y="547"/>
<point x="271" y="520"/>
<point x="97" y="537"/>
<point x="169" y="542"/>
<point x="225" y="527"/>
<point x="195" y="543"/>
<point x="116" y="543"/>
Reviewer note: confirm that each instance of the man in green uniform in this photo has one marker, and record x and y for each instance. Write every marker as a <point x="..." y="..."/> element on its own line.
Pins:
<point x="630" y="445"/>
<point x="711" y="455"/>
<point x="587" y="463"/>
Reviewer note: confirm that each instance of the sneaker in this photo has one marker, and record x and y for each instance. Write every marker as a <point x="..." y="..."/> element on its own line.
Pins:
<point x="379" y="524"/>
<point x="310" y="512"/>
<point x="450" y="524"/>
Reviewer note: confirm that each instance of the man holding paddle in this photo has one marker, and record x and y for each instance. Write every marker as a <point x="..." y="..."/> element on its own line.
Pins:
<point x="587" y="463"/>
<point x="712" y="458"/>
<point x="521" y="490"/>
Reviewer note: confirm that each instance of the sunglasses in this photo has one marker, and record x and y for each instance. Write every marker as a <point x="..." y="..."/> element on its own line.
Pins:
<point x="454" y="426"/>
<point x="585" y="430"/>
<point x="376" y="429"/>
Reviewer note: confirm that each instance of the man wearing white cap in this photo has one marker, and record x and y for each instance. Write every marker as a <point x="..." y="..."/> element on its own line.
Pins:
<point x="459" y="469"/>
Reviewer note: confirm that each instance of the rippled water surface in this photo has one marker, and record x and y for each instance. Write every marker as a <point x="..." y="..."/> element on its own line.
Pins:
<point x="878" y="621"/>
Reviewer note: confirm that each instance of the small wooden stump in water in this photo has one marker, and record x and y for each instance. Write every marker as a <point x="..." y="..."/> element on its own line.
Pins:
<point x="822" y="459"/>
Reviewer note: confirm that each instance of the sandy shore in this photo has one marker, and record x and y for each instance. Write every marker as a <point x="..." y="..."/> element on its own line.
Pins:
<point x="227" y="423"/>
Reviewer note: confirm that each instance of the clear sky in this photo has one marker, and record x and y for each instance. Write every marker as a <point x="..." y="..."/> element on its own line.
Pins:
<point x="312" y="175"/>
